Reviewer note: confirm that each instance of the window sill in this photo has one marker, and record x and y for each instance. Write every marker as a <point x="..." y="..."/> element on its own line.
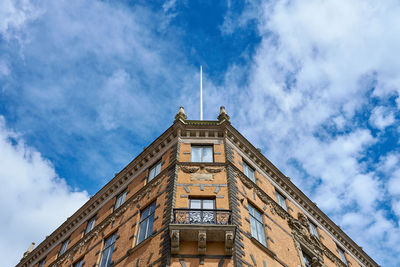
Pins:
<point x="267" y="250"/>
<point x="141" y="244"/>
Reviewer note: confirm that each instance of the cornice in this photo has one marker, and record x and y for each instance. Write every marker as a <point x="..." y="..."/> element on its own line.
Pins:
<point x="126" y="175"/>
<point x="279" y="178"/>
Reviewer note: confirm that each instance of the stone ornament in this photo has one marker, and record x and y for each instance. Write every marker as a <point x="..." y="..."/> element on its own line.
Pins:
<point x="175" y="241"/>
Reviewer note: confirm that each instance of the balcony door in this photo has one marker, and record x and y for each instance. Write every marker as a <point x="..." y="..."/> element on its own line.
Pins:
<point x="202" y="211"/>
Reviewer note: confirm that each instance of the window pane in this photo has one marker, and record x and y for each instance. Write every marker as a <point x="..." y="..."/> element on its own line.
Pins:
<point x="253" y="227"/>
<point x="208" y="204"/>
<point x="261" y="233"/>
<point x="281" y="201"/>
<point x="342" y="257"/>
<point x="158" y="168"/>
<point x="142" y="231"/>
<point x="151" y="174"/>
<point x="196" y="154"/>
<point x="207" y="154"/>
<point x="195" y="204"/>
<point x="149" y="226"/>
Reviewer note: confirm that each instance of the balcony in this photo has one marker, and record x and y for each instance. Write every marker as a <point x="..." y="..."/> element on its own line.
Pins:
<point x="202" y="225"/>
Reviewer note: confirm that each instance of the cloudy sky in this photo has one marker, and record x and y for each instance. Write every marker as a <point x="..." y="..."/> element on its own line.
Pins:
<point x="85" y="85"/>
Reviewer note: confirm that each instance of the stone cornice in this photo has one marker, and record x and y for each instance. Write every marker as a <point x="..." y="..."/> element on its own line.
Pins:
<point x="278" y="177"/>
<point x="120" y="180"/>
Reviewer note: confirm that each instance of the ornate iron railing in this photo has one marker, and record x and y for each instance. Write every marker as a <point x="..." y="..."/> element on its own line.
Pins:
<point x="203" y="216"/>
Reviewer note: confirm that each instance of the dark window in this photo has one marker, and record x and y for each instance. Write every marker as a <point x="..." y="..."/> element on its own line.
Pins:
<point x="41" y="263"/>
<point x="257" y="225"/>
<point x="120" y="200"/>
<point x="63" y="247"/>
<point x="202" y="154"/>
<point x="146" y="223"/>
<point x="107" y="252"/>
<point x="154" y="171"/>
<point x="90" y="225"/>
<point x="248" y="171"/>
<point x="307" y="259"/>
<point x="281" y="200"/>
<point x="79" y="263"/>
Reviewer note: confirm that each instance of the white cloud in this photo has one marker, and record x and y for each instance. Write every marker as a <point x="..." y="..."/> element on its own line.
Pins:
<point x="310" y="79"/>
<point x="34" y="200"/>
<point x="381" y="117"/>
<point x="14" y="14"/>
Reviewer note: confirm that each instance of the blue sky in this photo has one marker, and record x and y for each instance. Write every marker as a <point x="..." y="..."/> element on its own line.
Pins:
<point x="86" y="85"/>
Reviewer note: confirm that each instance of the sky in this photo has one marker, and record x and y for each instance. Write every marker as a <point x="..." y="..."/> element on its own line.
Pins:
<point x="85" y="85"/>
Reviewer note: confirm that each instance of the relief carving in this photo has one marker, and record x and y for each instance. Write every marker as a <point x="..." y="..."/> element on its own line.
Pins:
<point x="202" y="238"/>
<point x="175" y="241"/>
<point x="229" y="242"/>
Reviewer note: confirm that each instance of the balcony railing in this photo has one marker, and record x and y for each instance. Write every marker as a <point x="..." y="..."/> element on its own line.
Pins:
<point x="203" y="216"/>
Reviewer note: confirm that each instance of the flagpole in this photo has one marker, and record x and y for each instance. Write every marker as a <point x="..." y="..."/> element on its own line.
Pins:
<point x="201" y="92"/>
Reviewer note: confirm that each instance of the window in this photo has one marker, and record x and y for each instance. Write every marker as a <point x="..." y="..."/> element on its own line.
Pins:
<point x="206" y="213"/>
<point x="154" y="171"/>
<point x="281" y="200"/>
<point x="146" y="223"/>
<point x="107" y="252"/>
<point x="120" y="200"/>
<point x="307" y="259"/>
<point x="63" y="247"/>
<point x="257" y="225"/>
<point x="90" y="225"/>
<point x="342" y="256"/>
<point x="248" y="171"/>
<point x="41" y="263"/>
<point x="79" y="263"/>
<point x="313" y="229"/>
<point x="202" y="154"/>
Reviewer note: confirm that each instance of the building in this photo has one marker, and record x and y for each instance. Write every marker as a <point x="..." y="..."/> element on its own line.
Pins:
<point x="200" y="194"/>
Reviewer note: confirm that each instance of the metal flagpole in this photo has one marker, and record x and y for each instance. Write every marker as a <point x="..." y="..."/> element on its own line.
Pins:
<point x="201" y="92"/>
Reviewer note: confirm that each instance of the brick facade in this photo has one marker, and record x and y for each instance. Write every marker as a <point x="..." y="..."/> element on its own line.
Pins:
<point x="179" y="236"/>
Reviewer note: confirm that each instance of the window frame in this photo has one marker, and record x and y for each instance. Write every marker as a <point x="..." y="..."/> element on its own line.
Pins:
<point x="281" y="199"/>
<point x="305" y="256"/>
<point x="146" y="220"/>
<point x="91" y="222"/>
<point x="154" y="167"/>
<point x="257" y="224"/>
<point x="342" y="255"/>
<point x="313" y="228"/>
<point x="109" y="249"/>
<point x="119" y="196"/>
<point x="201" y="201"/>
<point x="64" y="246"/>
<point x="246" y="171"/>
<point x="202" y="154"/>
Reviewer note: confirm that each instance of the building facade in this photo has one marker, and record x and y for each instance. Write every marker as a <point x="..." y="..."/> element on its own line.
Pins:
<point x="199" y="195"/>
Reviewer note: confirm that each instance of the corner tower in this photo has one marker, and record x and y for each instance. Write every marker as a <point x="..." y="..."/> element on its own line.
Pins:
<point x="199" y="195"/>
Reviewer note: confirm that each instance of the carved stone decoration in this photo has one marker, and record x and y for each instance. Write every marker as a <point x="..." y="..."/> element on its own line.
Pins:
<point x="180" y="115"/>
<point x="304" y="238"/>
<point x="189" y="170"/>
<point x="229" y="242"/>
<point x="213" y="170"/>
<point x="175" y="241"/>
<point x="201" y="244"/>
